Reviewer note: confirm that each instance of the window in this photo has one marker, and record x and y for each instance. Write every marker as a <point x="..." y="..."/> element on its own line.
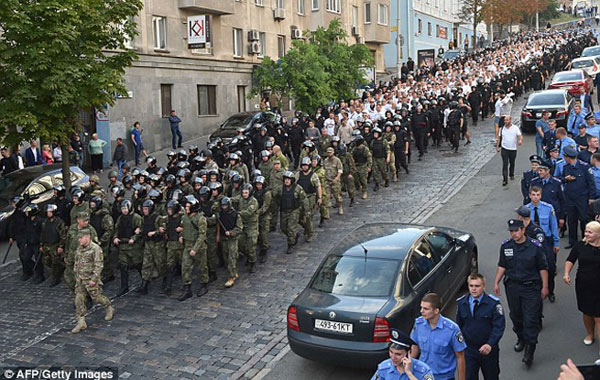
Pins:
<point x="258" y="2"/>
<point x="165" y="99"/>
<point x="420" y="263"/>
<point x="367" y="13"/>
<point x="280" y="4"/>
<point x="354" y="16"/>
<point x="429" y="29"/>
<point x="262" y="38"/>
<point x="315" y="5"/>
<point x="41" y="185"/>
<point x="207" y="100"/>
<point x="440" y="243"/>
<point x="159" y="26"/>
<point x="419" y="26"/>
<point x="127" y="40"/>
<point x="437" y="31"/>
<point x="241" y="97"/>
<point x="383" y="14"/>
<point x="238" y="42"/>
<point x="280" y="46"/>
<point x="300" y="7"/>
<point x="334" y="6"/>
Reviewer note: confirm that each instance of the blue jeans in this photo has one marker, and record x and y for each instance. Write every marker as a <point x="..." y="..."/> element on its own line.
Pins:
<point x="120" y="164"/>
<point x="138" y="149"/>
<point x="538" y="149"/>
<point x="176" y="133"/>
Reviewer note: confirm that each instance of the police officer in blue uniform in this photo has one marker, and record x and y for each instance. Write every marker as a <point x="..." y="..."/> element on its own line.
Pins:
<point x="439" y="341"/>
<point x="481" y="319"/>
<point x="544" y="218"/>
<point x="522" y="265"/>
<point x="551" y="191"/>
<point x="579" y="188"/>
<point x="400" y="365"/>
<point x="554" y="159"/>
<point x="529" y="175"/>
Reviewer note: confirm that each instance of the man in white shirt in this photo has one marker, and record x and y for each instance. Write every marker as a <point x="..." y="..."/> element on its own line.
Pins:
<point x="509" y="137"/>
<point x="330" y="124"/>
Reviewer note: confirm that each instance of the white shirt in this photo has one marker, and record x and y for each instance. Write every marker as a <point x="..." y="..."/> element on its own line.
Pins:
<point x="57" y="154"/>
<point x="510" y="137"/>
<point x="330" y="125"/>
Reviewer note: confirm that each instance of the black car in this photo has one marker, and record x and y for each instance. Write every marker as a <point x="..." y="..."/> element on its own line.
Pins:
<point x="558" y="102"/>
<point x="247" y="120"/>
<point x="34" y="183"/>
<point x="373" y="281"/>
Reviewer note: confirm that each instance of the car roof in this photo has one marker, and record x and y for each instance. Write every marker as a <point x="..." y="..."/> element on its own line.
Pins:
<point x="580" y="71"/>
<point x="591" y="57"/>
<point x="556" y="91"/>
<point x="381" y="240"/>
<point x="38" y="170"/>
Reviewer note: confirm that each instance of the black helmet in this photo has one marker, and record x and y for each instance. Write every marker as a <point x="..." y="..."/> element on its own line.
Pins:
<point x="264" y="153"/>
<point x="342" y="148"/>
<point x="144" y="174"/>
<point x="198" y="181"/>
<point x="78" y="194"/>
<point x="225" y="203"/>
<point x="289" y="174"/>
<point x="193" y="202"/>
<point x="317" y="158"/>
<point x="31" y="209"/>
<point x="216" y="186"/>
<point x="170" y="179"/>
<point x="155" y="195"/>
<point x="248" y="187"/>
<point x="127" y="180"/>
<point x="149" y="204"/>
<point x="60" y="190"/>
<point x="140" y="190"/>
<point x="95" y="203"/>
<point x="151" y="160"/>
<point x="113" y="174"/>
<point x="203" y="173"/>
<point x="336" y="139"/>
<point x="193" y="149"/>
<point x="126" y="204"/>
<point x="377" y="130"/>
<point x="185" y="173"/>
<point x="183" y="165"/>
<point x="182" y="155"/>
<point x="207" y="153"/>
<point x="136" y="172"/>
<point x="259" y="179"/>
<point x="155" y="178"/>
<point x="358" y="139"/>
<point x="397" y="123"/>
<point x="177" y="195"/>
<point x="234" y="157"/>
<point x="51" y="207"/>
<point x="387" y="124"/>
<point x="117" y="191"/>
<point x="309" y="144"/>
<point x="305" y="161"/>
<point x="204" y="193"/>
<point x="173" y="205"/>
<point x="171" y="155"/>
<point x="256" y="173"/>
<point x="18" y="201"/>
<point x="237" y="179"/>
<point x="453" y="105"/>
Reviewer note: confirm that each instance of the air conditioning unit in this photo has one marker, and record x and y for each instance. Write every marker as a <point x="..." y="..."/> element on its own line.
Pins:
<point x="254" y="48"/>
<point x="296" y="33"/>
<point x="279" y="13"/>
<point x="355" y="31"/>
<point x="253" y="35"/>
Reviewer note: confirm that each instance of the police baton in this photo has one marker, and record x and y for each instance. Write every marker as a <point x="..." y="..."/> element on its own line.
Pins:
<point x="7" y="251"/>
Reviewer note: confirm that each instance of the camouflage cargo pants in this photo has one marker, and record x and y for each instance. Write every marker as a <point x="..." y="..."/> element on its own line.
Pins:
<point x="335" y="189"/>
<point x="154" y="259"/>
<point x="189" y="263"/>
<point x="82" y="290"/>
<point x="174" y="251"/>
<point x="289" y="224"/>
<point x="211" y="248"/>
<point x="306" y="220"/>
<point x="247" y="243"/>
<point x="379" y="170"/>
<point x="264" y="222"/>
<point x="53" y="260"/>
<point x="230" y="254"/>
<point x="362" y="174"/>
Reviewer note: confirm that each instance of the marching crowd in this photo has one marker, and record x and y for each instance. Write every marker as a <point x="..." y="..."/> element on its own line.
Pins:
<point x="206" y="208"/>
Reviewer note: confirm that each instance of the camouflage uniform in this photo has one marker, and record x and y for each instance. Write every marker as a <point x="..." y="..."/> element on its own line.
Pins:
<point x="266" y="168"/>
<point x="349" y="173"/>
<point x="54" y="233"/>
<point x="381" y="151"/>
<point x="88" y="267"/>
<point x="130" y="255"/>
<point x="264" y="198"/>
<point x="212" y="245"/>
<point x="231" y="222"/>
<point x="186" y="188"/>
<point x="293" y="199"/>
<point x="322" y="145"/>
<point x="154" y="247"/>
<point x="194" y="239"/>
<point x="82" y="207"/>
<point x="103" y="224"/>
<point x="174" y="246"/>
<point x="333" y="168"/>
<point x="248" y="211"/>
<point x="364" y="161"/>
<point x="324" y="209"/>
<point x="390" y="137"/>
<point x="310" y="183"/>
<point x="71" y="244"/>
<point x="285" y="164"/>
<point x="275" y="185"/>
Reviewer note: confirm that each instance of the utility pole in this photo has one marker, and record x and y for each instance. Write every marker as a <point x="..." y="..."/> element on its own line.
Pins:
<point x="537" y="21"/>
<point x="398" y="39"/>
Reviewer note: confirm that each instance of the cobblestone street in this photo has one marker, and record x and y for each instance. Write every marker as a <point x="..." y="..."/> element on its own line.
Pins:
<point x="233" y="333"/>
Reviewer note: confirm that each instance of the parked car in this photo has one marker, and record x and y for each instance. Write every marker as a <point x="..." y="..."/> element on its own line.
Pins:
<point x="247" y="120"/>
<point x="591" y="65"/>
<point x="34" y="183"/>
<point x="591" y="51"/>
<point x="373" y="280"/>
<point x="572" y="81"/>
<point x="558" y="102"/>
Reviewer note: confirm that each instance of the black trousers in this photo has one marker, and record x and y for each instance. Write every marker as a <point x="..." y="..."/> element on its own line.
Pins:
<point x="29" y="256"/>
<point x="420" y="140"/>
<point x="96" y="161"/>
<point x="508" y="162"/>
<point x="400" y="159"/>
<point x="525" y="305"/>
<point x="488" y="364"/>
<point x="475" y="115"/>
<point x="577" y="211"/>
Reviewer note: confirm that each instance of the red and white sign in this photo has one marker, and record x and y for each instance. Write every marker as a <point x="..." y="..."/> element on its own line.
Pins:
<point x="198" y="28"/>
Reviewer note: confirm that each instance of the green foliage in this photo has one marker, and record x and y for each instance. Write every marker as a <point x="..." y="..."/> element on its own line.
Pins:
<point x="551" y="12"/>
<point x="317" y="70"/>
<point x="54" y="62"/>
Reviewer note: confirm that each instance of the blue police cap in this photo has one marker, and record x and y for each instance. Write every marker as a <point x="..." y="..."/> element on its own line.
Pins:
<point x="544" y="165"/>
<point x="555" y="148"/>
<point x="590" y="115"/>
<point x="570" y="152"/>
<point x="523" y="211"/>
<point x="515" y="224"/>
<point x="401" y="338"/>
<point x="535" y="158"/>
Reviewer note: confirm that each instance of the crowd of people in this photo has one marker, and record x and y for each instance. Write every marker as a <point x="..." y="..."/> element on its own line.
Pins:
<point x="206" y="209"/>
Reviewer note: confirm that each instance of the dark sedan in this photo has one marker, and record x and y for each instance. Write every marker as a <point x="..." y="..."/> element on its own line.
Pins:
<point x="246" y="120"/>
<point x="373" y="281"/>
<point x="557" y="102"/>
<point x="35" y="183"/>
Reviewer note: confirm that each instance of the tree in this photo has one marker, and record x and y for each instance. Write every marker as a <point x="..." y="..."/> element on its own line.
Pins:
<point x="472" y="12"/>
<point x="315" y="71"/>
<point x="502" y="12"/>
<point x="58" y="57"/>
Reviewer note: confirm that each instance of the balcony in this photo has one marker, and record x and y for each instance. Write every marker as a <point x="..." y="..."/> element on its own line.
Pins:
<point x="217" y="7"/>
<point x="377" y="34"/>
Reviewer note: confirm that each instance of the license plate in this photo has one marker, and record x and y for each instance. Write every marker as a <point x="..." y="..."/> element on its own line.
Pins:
<point x="339" y="327"/>
<point x="539" y="114"/>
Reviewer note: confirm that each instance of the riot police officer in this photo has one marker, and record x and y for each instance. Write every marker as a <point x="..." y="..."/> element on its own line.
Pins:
<point x="523" y="266"/>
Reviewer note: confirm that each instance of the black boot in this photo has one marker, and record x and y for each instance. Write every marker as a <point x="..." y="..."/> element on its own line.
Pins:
<point x="519" y="345"/>
<point x="212" y="277"/>
<point x="168" y="285"/>
<point x="386" y="183"/>
<point x="289" y="250"/>
<point x="202" y="290"/>
<point x="528" y="356"/>
<point x="163" y="286"/>
<point x="262" y="256"/>
<point x="143" y="289"/>
<point x="25" y="277"/>
<point x="124" y="280"/>
<point x="351" y="202"/>
<point x="108" y="279"/>
<point x="187" y="293"/>
<point x="55" y="281"/>
<point x="376" y="187"/>
<point x="321" y="222"/>
<point x="252" y="268"/>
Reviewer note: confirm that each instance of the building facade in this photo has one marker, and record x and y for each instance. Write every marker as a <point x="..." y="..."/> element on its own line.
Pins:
<point x="197" y="57"/>
<point x="425" y="26"/>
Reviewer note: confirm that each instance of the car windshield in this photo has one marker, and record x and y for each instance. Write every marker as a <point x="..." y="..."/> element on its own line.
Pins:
<point x="590" y="52"/>
<point x="237" y="121"/>
<point x="546" y="99"/>
<point x="451" y="54"/>
<point x="9" y="187"/>
<point x="581" y="64"/>
<point x="356" y="276"/>
<point x="564" y="77"/>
